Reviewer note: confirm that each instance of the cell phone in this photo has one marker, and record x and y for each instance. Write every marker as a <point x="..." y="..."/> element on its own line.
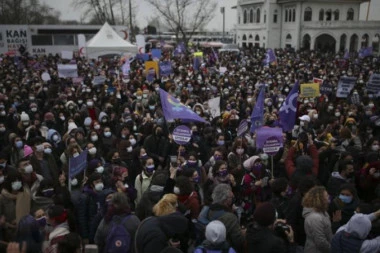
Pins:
<point x="173" y="161"/>
<point x="91" y="248"/>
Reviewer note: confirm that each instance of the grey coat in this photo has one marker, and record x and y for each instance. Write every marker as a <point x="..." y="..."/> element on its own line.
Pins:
<point x="318" y="231"/>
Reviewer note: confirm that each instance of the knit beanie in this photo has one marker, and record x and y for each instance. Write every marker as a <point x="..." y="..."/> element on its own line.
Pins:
<point x="216" y="232"/>
<point x="265" y="214"/>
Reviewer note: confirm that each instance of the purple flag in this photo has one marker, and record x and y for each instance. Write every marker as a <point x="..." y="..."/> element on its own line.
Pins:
<point x="173" y="109"/>
<point x="366" y="51"/>
<point x="156" y="54"/>
<point x="180" y="49"/>
<point x="346" y="54"/>
<point x="288" y="109"/>
<point x="162" y="43"/>
<point x="270" y="57"/>
<point x="215" y="54"/>
<point x="257" y="116"/>
<point x="165" y="68"/>
<point x="196" y="63"/>
<point x="126" y="68"/>
<point x="77" y="164"/>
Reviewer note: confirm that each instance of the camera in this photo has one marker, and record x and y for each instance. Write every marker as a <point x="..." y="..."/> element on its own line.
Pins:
<point x="280" y="230"/>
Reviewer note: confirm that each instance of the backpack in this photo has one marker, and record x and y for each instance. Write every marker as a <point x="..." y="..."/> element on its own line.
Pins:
<point x="118" y="239"/>
<point x="202" y="221"/>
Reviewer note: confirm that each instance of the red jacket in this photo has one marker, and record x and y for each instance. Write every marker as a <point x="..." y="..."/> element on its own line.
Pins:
<point x="291" y="159"/>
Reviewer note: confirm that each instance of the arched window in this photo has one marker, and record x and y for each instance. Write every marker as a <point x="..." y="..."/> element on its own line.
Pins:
<point x="336" y="15"/>
<point x="288" y="37"/>
<point x="245" y="17"/>
<point x="275" y="15"/>
<point x="307" y="14"/>
<point x="251" y="16"/>
<point x="294" y="15"/>
<point x="328" y="15"/>
<point x="257" y="37"/>
<point x="244" y="37"/>
<point x="258" y="16"/>
<point x="321" y="15"/>
<point x="250" y="37"/>
<point x="239" y="19"/>
<point x="286" y="15"/>
<point x="265" y="17"/>
<point x="350" y="14"/>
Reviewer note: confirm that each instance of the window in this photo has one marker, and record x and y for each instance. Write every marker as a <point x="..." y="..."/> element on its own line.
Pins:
<point x="328" y="15"/>
<point x="239" y="19"/>
<point x="321" y="15"/>
<point x="265" y="17"/>
<point x="350" y="14"/>
<point x="42" y="40"/>
<point x="63" y="39"/>
<point x="286" y="15"/>
<point x="244" y="37"/>
<point x="245" y="17"/>
<point x="294" y="15"/>
<point x="275" y="14"/>
<point x="251" y="16"/>
<point x="288" y="37"/>
<point x="257" y="38"/>
<point x="336" y="15"/>
<point x="307" y="14"/>
<point x="258" y="16"/>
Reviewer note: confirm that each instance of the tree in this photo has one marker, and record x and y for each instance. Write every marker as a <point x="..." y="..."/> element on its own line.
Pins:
<point x="184" y="17"/>
<point x="27" y="12"/>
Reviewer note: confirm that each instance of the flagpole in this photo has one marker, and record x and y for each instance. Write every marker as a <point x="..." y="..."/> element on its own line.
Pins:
<point x="369" y="6"/>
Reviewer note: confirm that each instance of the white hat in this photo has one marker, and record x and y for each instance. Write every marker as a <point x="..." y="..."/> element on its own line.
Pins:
<point x="71" y="127"/>
<point x="24" y="117"/>
<point x="87" y="121"/>
<point x="216" y="232"/>
<point x="305" y="118"/>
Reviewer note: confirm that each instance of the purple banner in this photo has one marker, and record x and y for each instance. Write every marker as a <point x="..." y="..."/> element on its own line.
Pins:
<point x="77" y="164"/>
<point x="182" y="135"/>
<point x="264" y="134"/>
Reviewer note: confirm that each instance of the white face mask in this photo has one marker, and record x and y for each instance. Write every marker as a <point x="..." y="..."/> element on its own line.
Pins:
<point x="375" y="147"/>
<point x="176" y="190"/>
<point x="132" y="141"/>
<point x="90" y="103"/>
<point x="107" y="134"/>
<point x="100" y="169"/>
<point x="33" y="109"/>
<point x="16" y="185"/>
<point x="129" y="149"/>
<point x="76" y="154"/>
<point x="74" y="182"/>
<point x="315" y="116"/>
<point x="337" y="114"/>
<point x="28" y="169"/>
<point x="1" y="179"/>
<point x="99" y="187"/>
<point x="97" y="127"/>
<point x="47" y="151"/>
<point x="94" y="138"/>
<point x="92" y="151"/>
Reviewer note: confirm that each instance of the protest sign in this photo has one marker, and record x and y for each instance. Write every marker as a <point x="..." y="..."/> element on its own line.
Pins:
<point x="272" y="145"/>
<point x="156" y="54"/>
<point x="182" y="135"/>
<point x="67" y="55"/>
<point x="214" y="105"/>
<point x="198" y="54"/>
<point x="98" y="80"/>
<point x="165" y="68"/>
<point x="243" y="127"/>
<point x="77" y="164"/>
<point x="67" y="70"/>
<point x="265" y="133"/>
<point x="326" y="88"/>
<point x="151" y="68"/>
<point x="345" y="85"/>
<point x="318" y="80"/>
<point x="309" y="90"/>
<point x="373" y="84"/>
<point x="45" y="76"/>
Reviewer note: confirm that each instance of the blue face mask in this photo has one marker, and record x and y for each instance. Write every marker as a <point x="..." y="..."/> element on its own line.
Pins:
<point x="191" y="163"/>
<point x="345" y="199"/>
<point x="220" y="143"/>
<point x="150" y="168"/>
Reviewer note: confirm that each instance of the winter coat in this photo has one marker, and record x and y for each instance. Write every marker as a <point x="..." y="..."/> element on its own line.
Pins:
<point x="155" y="147"/>
<point x="318" y="231"/>
<point x="56" y="236"/>
<point x="131" y="225"/>
<point x="334" y="184"/>
<point x="154" y="233"/>
<point x="49" y="164"/>
<point x="290" y="162"/>
<point x="142" y="183"/>
<point x="191" y="202"/>
<point x="295" y="219"/>
<point x="78" y="198"/>
<point x="148" y="200"/>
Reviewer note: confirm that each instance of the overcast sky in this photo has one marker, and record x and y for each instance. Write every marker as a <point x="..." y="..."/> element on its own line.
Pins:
<point x="68" y="12"/>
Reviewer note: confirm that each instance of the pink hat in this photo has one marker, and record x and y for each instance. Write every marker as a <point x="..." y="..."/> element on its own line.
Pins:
<point x="27" y="150"/>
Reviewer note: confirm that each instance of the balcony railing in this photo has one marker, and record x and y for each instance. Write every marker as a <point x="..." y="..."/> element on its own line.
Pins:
<point x="340" y="24"/>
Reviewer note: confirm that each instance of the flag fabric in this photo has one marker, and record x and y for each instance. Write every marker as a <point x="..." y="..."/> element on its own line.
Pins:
<point x="173" y="109"/>
<point x="180" y="49"/>
<point x="165" y="68"/>
<point x="270" y="57"/>
<point x="346" y="54"/>
<point x="257" y="116"/>
<point x="215" y="54"/>
<point x="126" y="67"/>
<point x="162" y="43"/>
<point x="196" y="63"/>
<point x="288" y="109"/>
<point x="365" y="51"/>
<point x="77" y="164"/>
<point x="214" y="107"/>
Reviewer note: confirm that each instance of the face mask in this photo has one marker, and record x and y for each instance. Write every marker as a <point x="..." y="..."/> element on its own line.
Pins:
<point x="3" y="165"/>
<point x="375" y="147"/>
<point x="33" y="109"/>
<point x="345" y="199"/>
<point x="90" y="103"/>
<point x="337" y="114"/>
<point x="1" y="179"/>
<point x="97" y="127"/>
<point x="107" y="134"/>
<point x="145" y="95"/>
<point x="25" y="123"/>
<point x="138" y="97"/>
<point x="48" y="192"/>
<point x="132" y="141"/>
<point x="55" y="137"/>
<point x="62" y="118"/>
<point x="240" y="151"/>
<point x="198" y="112"/>
<point x="286" y="90"/>
<point x="223" y="173"/>
<point x="129" y="149"/>
<point x="99" y="187"/>
<point x="3" y="113"/>
<point x="368" y="113"/>
<point x="134" y="128"/>
<point x="249" y="100"/>
<point x="100" y="169"/>
<point x="2" y="129"/>
<point x="196" y="179"/>
<point x="371" y="105"/>
<point x="94" y="138"/>
<point x="74" y="182"/>
<point x="191" y="163"/>
<point x="47" y="151"/>
<point x="116" y="160"/>
<point x="76" y="154"/>
<point x="269" y="103"/>
<point x="41" y="221"/>
<point x="257" y="167"/>
<point x="80" y="102"/>
<point x="302" y="123"/>
<point x="315" y="116"/>
<point x="216" y="158"/>
<point x="144" y="156"/>
<point x="150" y="168"/>
<point x="330" y="107"/>
<point x="16" y="185"/>
<point x="220" y="143"/>
<point x="19" y="144"/>
<point x="28" y="169"/>
<point x="152" y="107"/>
<point x="176" y="190"/>
<point x="92" y="151"/>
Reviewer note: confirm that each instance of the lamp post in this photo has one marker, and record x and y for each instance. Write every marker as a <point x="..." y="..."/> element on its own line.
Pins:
<point x="130" y="21"/>
<point x="222" y="10"/>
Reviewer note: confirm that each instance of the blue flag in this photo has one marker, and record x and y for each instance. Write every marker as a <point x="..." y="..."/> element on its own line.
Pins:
<point x="180" y="49"/>
<point x="288" y="109"/>
<point x="270" y="57"/>
<point x="257" y="116"/>
<point x="173" y="109"/>
<point x="156" y="54"/>
<point x="196" y="63"/>
<point x="77" y="164"/>
<point x="366" y="51"/>
<point x="165" y="68"/>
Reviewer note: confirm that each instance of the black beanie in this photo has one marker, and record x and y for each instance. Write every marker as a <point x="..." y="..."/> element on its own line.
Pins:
<point x="265" y="214"/>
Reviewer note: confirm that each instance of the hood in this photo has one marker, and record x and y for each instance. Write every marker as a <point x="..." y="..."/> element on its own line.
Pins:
<point x="336" y="174"/>
<point x="50" y="134"/>
<point x="257" y="234"/>
<point x="200" y="105"/>
<point x="173" y="224"/>
<point x="359" y="225"/>
<point x="307" y="211"/>
<point x="248" y="164"/>
<point x="101" y="115"/>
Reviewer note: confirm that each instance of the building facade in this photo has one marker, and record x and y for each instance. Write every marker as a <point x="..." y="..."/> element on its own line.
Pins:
<point x="304" y="24"/>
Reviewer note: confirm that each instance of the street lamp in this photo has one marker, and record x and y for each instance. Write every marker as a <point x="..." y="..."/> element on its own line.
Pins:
<point x="222" y="10"/>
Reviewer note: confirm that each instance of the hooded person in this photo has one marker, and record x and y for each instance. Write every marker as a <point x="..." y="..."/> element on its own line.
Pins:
<point x="352" y="237"/>
<point x="156" y="145"/>
<point x="53" y="137"/>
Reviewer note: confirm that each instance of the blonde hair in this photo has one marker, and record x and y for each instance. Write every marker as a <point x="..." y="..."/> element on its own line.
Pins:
<point x="315" y="199"/>
<point x="166" y="205"/>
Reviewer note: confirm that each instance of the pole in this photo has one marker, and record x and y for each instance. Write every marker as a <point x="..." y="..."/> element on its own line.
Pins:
<point x="369" y="6"/>
<point x="130" y="21"/>
<point x="224" y="21"/>
<point x="271" y="158"/>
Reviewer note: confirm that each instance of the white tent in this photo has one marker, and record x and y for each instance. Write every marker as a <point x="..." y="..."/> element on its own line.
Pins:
<point x="107" y="41"/>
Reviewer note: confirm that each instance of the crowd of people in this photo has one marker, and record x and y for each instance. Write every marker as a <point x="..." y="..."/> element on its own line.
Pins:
<point x="220" y="195"/>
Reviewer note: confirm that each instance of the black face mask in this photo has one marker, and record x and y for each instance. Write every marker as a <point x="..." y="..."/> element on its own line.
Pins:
<point x="116" y="161"/>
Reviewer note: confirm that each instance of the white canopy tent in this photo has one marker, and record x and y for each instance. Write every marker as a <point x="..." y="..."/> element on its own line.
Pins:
<point x="106" y="42"/>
